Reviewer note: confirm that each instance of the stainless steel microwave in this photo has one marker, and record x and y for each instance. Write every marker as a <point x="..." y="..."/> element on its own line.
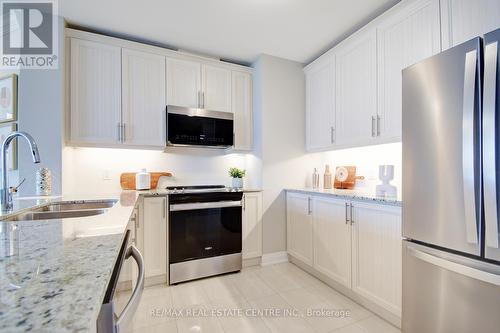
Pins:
<point x="199" y="127"/>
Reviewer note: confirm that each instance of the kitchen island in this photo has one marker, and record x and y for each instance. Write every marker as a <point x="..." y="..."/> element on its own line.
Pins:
<point x="54" y="273"/>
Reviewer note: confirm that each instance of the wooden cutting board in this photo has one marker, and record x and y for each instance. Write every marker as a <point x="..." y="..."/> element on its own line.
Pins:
<point x="127" y="179"/>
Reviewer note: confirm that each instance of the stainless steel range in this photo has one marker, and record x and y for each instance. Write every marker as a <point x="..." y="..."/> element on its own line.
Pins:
<point x="204" y="231"/>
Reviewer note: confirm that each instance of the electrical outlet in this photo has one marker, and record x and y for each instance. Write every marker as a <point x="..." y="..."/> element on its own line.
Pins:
<point x="106" y="175"/>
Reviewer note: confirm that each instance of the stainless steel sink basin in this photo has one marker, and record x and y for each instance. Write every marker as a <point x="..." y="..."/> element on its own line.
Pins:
<point x="64" y="210"/>
<point x="55" y="215"/>
<point x="76" y="205"/>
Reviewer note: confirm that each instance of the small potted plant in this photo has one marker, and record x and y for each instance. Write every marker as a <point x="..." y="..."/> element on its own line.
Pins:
<point x="237" y="176"/>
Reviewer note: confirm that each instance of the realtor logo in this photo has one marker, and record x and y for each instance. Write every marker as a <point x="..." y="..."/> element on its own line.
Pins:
<point x="29" y="34"/>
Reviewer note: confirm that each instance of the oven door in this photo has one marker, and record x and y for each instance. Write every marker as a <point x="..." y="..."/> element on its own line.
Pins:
<point x="199" y="127"/>
<point x="204" y="229"/>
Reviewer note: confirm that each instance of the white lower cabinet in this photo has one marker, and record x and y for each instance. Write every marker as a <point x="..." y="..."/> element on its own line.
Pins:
<point x="331" y="239"/>
<point x="299" y="227"/>
<point x="376" y="254"/>
<point x="152" y="232"/>
<point x="252" y="225"/>
<point x="355" y="244"/>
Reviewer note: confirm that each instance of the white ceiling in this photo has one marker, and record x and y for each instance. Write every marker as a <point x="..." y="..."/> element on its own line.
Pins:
<point x="238" y="30"/>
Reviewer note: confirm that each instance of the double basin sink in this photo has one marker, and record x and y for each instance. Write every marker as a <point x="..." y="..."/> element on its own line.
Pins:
<point x="64" y="209"/>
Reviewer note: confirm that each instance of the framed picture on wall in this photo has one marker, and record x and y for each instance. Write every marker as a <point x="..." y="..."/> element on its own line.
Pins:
<point x="5" y="130"/>
<point x="8" y="98"/>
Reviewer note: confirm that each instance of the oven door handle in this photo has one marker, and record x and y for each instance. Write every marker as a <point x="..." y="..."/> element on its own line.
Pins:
<point x="204" y="205"/>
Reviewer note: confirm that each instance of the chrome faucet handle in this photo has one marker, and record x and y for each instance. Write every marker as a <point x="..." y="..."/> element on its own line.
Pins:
<point x="13" y="189"/>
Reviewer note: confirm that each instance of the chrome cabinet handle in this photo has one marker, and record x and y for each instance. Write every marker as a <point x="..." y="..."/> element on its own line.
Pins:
<point x="199" y="99"/>
<point x="352" y="219"/>
<point x="489" y="145"/>
<point x="123" y="132"/>
<point x="128" y="312"/>
<point x="203" y="99"/>
<point x="119" y="132"/>
<point x="332" y="134"/>
<point x="309" y="210"/>
<point x="346" y="214"/>
<point x="373" y="126"/>
<point x="378" y="125"/>
<point x="164" y="202"/>
<point x="468" y="149"/>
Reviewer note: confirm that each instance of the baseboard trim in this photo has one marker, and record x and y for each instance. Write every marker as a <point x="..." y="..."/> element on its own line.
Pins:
<point x="274" y="258"/>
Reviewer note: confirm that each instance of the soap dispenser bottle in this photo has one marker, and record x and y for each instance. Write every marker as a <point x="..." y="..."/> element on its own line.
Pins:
<point x="315" y="179"/>
<point x="327" y="178"/>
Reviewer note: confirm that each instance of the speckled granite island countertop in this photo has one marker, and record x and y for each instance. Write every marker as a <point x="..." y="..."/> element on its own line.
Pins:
<point x="54" y="273"/>
<point x="352" y="195"/>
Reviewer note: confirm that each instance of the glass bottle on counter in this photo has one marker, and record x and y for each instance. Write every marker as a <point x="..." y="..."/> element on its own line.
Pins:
<point x="315" y="179"/>
<point x="327" y="178"/>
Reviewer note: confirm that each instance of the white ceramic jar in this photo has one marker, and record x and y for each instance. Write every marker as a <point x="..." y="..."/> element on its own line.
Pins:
<point x="142" y="180"/>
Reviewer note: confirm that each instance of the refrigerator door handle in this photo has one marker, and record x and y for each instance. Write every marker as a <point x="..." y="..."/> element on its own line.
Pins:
<point x="489" y="145"/>
<point x="468" y="157"/>
<point x="461" y="269"/>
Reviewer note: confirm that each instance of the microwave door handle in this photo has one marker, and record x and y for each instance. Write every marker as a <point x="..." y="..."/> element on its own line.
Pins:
<point x="468" y="149"/>
<point x="489" y="145"/>
<point x="128" y="312"/>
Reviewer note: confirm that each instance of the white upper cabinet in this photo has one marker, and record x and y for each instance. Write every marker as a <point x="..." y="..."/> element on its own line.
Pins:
<point x="332" y="239"/>
<point x="95" y="102"/>
<point x="299" y="227"/>
<point x="119" y="91"/>
<point x="216" y="88"/>
<point x="405" y="36"/>
<point x="465" y="19"/>
<point x="241" y="102"/>
<point x="320" y="103"/>
<point x="183" y="83"/>
<point x="356" y="91"/>
<point x="252" y="225"/>
<point x="143" y="98"/>
<point x="376" y="254"/>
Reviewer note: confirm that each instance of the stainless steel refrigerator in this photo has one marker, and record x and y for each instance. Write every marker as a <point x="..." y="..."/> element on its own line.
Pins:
<point x="451" y="189"/>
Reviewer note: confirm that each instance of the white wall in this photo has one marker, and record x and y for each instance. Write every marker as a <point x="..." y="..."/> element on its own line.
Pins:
<point x="279" y="104"/>
<point x="85" y="169"/>
<point x="40" y="96"/>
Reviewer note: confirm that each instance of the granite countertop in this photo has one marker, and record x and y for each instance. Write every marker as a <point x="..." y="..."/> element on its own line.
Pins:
<point x="352" y="195"/>
<point x="54" y="273"/>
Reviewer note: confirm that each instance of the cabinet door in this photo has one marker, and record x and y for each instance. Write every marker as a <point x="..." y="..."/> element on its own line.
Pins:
<point x="95" y="101"/>
<point x="154" y="227"/>
<point x="216" y="88"/>
<point x="404" y="37"/>
<point x="252" y="225"/>
<point x="183" y="83"/>
<point x="242" y="108"/>
<point x="332" y="239"/>
<point x="465" y="19"/>
<point x="356" y="90"/>
<point x="377" y="254"/>
<point x="143" y="98"/>
<point x="299" y="227"/>
<point x="320" y="103"/>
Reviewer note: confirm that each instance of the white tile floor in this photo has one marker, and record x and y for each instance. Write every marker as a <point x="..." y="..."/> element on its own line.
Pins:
<point x="230" y="303"/>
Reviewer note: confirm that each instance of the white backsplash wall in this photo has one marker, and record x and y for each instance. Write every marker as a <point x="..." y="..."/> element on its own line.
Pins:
<point x="367" y="161"/>
<point x="87" y="171"/>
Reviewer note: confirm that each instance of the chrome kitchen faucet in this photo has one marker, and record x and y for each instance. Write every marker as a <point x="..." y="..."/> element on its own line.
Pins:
<point x="5" y="193"/>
